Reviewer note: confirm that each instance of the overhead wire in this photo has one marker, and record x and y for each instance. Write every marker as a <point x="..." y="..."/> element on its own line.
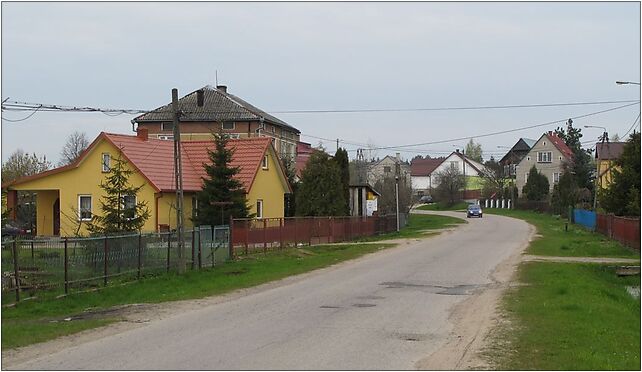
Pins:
<point x="632" y="126"/>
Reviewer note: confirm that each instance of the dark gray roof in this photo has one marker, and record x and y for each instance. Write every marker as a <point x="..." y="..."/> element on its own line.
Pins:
<point x="217" y="106"/>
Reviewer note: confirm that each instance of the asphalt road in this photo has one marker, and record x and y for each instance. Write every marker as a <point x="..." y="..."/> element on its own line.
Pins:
<point x="384" y="311"/>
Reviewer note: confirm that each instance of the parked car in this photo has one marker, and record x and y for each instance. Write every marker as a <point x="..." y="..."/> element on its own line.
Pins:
<point x="474" y="210"/>
<point x="425" y="199"/>
<point x="9" y="230"/>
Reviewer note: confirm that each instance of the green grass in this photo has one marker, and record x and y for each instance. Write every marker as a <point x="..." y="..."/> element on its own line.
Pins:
<point x="444" y="207"/>
<point x="569" y="317"/>
<point x="419" y="225"/>
<point x="555" y="241"/>
<point x="30" y="321"/>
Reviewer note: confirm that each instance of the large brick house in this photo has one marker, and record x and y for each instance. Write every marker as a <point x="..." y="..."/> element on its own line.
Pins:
<point x="210" y="109"/>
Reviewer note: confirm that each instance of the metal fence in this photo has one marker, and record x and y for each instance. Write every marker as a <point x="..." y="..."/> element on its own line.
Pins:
<point x="623" y="229"/>
<point x="31" y="265"/>
<point x="263" y="234"/>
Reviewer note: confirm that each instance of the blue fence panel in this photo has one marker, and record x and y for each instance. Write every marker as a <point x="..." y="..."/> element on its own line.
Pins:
<point x="585" y="218"/>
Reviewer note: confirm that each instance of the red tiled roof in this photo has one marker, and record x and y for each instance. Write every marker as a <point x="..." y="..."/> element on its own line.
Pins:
<point x="154" y="158"/>
<point x="560" y="144"/>
<point x="424" y="167"/>
<point x="303" y="152"/>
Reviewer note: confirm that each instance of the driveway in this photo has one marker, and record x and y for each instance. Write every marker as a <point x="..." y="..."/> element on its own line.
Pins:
<point x="389" y="310"/>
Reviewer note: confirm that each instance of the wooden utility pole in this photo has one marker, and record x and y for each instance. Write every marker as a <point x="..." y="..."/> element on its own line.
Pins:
<point x="178" y="174"/>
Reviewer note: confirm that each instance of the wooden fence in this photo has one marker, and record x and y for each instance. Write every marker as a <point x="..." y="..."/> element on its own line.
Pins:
<point x="623" y="229"/>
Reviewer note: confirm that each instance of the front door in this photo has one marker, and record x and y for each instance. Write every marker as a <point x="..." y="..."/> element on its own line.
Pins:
<point x="56" y="217"/>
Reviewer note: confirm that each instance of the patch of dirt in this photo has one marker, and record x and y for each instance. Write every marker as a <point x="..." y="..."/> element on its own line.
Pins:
<point x="581" y="259"/>
<point x="473" y="320"/>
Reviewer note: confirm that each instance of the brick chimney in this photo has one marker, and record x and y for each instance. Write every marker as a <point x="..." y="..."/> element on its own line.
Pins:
<point x="222" y="88"/>
<point x="142" y="133"/>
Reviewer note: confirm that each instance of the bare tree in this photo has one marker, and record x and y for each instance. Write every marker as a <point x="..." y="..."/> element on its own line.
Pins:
<point x="474" y="151"/>
<point x="21" y="164"/>
<point x="450" y="183"/>
<point x="76" y="143"/>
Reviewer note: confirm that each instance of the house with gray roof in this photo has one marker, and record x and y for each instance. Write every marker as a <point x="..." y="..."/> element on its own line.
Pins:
<point x="515" y="155"/>
<point x="209" y="110"/>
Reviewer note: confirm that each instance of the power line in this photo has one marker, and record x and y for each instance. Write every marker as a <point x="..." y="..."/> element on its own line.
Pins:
<point x="23" y="119"/>
<point x="632" y="126"/>
<point x="454" y="108"/>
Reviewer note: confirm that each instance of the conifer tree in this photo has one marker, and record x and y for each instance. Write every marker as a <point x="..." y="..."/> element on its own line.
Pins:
<point x="341" y="159"/>
<point x="320" y="192"/>
<point x="120" y="209"/>
<point x="537" y="186"/>
<point x="220" y="186"/>
<point x="622" y="197"/>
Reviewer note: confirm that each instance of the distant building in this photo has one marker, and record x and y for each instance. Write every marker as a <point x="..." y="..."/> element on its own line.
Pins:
<point x="515" y="155"/>
<point x="363" y="200"/>
<point x="548" y="155"/>
<point x="606" y="154"/>
<point x="421" y="174"/>
<point x="386" y="167"/>
<point x="210" y="109"/>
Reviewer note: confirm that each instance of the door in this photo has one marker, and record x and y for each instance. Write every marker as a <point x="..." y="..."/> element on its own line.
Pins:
<point x="56" y="217"/>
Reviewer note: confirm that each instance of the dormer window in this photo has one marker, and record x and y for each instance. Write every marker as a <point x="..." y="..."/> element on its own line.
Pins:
<point x="106" y="159"/>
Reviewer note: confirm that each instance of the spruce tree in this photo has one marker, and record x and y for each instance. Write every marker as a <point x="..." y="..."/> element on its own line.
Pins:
<point x="118" y="214"/>
<point x="341" y="159"/>
<point x="537" y="186"/>
<point x="320" y="191"/>
<point x="220" y="186"/>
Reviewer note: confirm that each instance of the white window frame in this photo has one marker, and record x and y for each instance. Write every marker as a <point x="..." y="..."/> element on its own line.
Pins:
<point x="80" y="218"/>
<point x="163" y="124"/>
<point x="525" y="177"/>
<point x="544" y="144"/>
<point x="194" y="206"/>
<point x="264" y="162"/>
<point x="233" y="136"/>
<point x="259" y="208"/>
<point x="544" y="157"/>
<point x="125" y="206"/>
<point x="228" y="122"/>
<point x="166" y="137"/>
<point x="105" y="166"/>
<point x="556" y="177"/>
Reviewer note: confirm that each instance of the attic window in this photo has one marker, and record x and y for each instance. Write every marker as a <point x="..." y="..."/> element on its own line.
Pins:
<point x="105" y="160"/>
<point x="228" y="125"/>
<point x="264" y="163"/>
<point x="544" y="143"/>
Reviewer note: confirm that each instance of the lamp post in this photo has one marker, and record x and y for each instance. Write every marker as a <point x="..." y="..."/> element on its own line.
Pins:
<point x="626" y="83"/>
<point x="397" y="198"/>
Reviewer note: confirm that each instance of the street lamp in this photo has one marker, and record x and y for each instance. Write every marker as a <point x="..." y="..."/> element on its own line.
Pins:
<point x="603" y="138"/>
<point x="626" y="82"/>
<point x="605" y="135"/>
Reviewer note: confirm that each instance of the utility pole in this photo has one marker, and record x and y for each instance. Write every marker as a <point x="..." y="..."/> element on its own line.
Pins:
<point x="397" y="172"/>
<point x="337" y="144"/>
<point x="605" y="137"/>
<point x="178" y="174"/>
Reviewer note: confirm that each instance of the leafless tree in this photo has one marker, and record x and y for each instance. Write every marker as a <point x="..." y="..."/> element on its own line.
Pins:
<point x="450" y="183"/>
<point x="76" y="143"/>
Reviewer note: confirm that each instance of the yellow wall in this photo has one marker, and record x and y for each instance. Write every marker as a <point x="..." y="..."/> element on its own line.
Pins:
<point x="269" y="187"/>
<point x="86" y="178"/>
<point x="83" y="180"/>
<point x="603" y="170"/>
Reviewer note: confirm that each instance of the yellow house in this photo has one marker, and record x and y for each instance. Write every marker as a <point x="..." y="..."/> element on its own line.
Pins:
<point x="606" y="154"/>
<point x="68" y="197"/>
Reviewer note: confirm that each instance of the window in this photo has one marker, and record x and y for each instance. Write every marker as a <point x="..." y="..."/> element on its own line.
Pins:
<point x="106" y="158"/>
<point x="386" y="169"/>
<point x="228" y="125"/>
<point x="264" y="163"/>
<point x="273" y="129"/>
<point x="544" y="157"/>
<point x="84" y="207"/>
<point x="194" y="207"/>
<point x="560" y="158"/>
<point x="528" y="158"/>
<point x="259" y="208"/>
<point x="167" y="126"/>
<point x="129" y="206"/>
<point x="454" y="165"/>
<point x="544" y="144"/>
<point x="164" y="137"/>
<point x="526" y="178"/>
<point x="556" y="177"/>
<point x="233" y="136"/>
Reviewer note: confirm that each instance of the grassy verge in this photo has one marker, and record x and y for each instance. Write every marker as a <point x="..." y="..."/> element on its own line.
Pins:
<point x="443" y="207"/>
<point x="42" y="319"/>
<point x="569" y="317"/>
<point x="556" y="241"/>
<point x="419" y="225"/>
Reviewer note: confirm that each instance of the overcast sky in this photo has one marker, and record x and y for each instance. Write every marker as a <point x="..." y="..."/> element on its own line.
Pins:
<point x="299" y="56"/>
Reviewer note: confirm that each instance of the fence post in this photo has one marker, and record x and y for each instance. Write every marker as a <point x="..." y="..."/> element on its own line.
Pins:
<point x="169" y="247"/>
<point x="105" y="251"/>
<point x="310" y="229"/>
<point x="140" y="241"/>
<point x="193" y="254"/>
<point x="200" y="263"/>
<point x="280" y="233"/>
<point x="33" y="260"/>
<point x="66" y="267"/>
<point x="264" y="235"/>
<point x="229" y="238"/>
<point x="15" y="269"/>
<point x="331" y="230"/>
